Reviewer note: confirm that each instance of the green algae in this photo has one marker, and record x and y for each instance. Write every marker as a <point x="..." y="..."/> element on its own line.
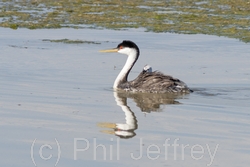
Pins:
<point x="68" y="41"/>
<point x="215" y="17"/>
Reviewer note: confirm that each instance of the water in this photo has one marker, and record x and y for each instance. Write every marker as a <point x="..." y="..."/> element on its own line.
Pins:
<point x="58" y="108"/>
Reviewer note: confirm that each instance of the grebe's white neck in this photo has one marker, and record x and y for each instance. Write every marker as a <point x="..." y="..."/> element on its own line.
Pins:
<point x="133" y="55"/>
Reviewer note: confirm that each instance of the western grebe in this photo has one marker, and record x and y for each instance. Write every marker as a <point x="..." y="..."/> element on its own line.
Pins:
<point x="148" y="80"/>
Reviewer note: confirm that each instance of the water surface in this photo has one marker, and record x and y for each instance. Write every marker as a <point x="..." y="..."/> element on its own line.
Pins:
<point x="58" y="108"/>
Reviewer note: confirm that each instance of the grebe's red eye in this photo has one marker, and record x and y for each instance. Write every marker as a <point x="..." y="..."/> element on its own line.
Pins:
<point x="121" y="47"/>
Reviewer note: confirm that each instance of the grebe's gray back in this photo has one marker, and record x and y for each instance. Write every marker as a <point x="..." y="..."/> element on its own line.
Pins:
<point x="147" y="81"/>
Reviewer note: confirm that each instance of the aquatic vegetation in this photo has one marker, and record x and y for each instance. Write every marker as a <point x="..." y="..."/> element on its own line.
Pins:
<point x="68" y="41"/>
<point x="215" y="17"/>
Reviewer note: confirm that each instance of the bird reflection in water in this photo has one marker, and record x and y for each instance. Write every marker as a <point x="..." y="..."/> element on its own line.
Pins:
<point x="147" y="102"/>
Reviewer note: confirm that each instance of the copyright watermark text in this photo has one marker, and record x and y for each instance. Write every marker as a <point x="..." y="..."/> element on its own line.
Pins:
<point x="170" y="149"/>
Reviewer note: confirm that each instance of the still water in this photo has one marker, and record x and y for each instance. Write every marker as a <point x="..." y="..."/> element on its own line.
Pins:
<point x="58" y="108"/>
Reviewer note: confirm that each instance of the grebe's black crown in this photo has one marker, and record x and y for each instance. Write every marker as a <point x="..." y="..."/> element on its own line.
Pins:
<point x="129" y="44"/>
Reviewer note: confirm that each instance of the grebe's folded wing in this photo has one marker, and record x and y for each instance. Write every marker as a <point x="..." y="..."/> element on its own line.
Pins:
<point x="158" y="82"/>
